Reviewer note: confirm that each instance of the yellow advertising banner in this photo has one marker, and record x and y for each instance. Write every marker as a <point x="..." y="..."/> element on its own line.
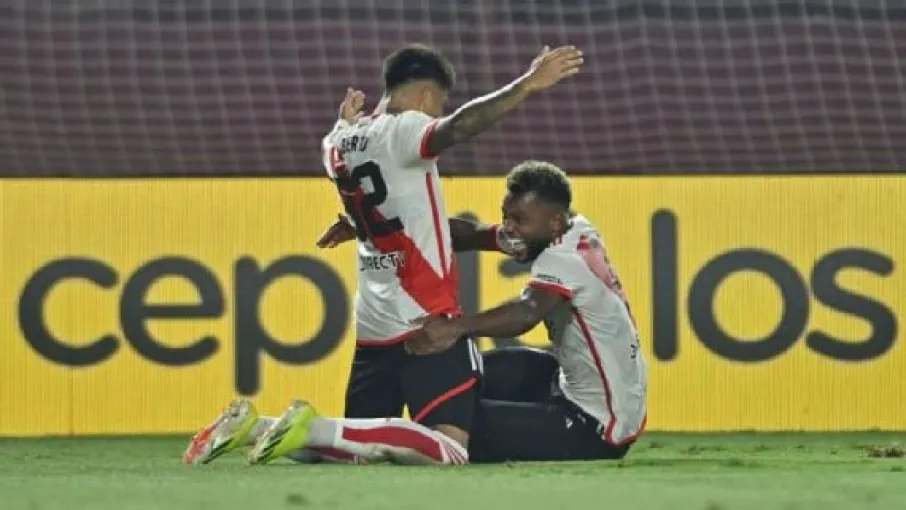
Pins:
<point x="144" y="306"/>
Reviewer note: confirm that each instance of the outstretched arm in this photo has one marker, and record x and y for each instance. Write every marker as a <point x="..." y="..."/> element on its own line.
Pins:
<point x="479" y="114"/>
<point x="507" y="320"/>
<point x="466" y="236"/>
<point x="470" y="236"/>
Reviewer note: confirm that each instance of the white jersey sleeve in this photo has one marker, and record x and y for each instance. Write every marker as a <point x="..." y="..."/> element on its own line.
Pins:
<point x="409" y="138"/>
<point x="330" y="154"/>
<point x="555" y="270"/>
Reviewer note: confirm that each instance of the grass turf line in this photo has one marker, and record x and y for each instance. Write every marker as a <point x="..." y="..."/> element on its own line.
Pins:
<point x="675" y="471"/>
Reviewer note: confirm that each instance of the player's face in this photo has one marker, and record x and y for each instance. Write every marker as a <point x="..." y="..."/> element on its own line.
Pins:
<point x="532" y="221"/>
<point x="432" y="99"/>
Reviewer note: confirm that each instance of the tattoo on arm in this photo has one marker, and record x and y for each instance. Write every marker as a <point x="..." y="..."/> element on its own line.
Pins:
<point x="476" y="116"/>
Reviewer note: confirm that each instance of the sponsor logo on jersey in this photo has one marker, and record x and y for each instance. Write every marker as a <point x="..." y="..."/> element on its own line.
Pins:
<point x="383" y="262"/>
<point x="549" y="279"/>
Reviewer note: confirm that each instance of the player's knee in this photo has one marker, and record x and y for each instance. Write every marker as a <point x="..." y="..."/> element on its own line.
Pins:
<point x="518" y="374"/>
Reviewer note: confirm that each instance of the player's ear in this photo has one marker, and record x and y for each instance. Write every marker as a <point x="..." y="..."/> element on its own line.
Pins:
<point x="561" y="220"/>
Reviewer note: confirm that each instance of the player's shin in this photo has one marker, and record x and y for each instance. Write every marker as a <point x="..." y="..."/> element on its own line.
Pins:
<point x="386" y="439"/>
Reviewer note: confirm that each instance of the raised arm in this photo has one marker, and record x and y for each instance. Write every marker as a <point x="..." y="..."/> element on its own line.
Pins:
<point x="548" y="68"/>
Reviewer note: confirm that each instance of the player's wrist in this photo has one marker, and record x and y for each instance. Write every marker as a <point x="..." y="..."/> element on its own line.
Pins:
<point x="341" y="124"/>
<point x="524" y="86"/>
<point x="461" y="327"/>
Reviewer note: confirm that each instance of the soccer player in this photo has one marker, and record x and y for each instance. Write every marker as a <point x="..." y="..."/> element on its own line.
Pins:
<point x="384" y="168"/>
<point x="597" y="408"/>
<point x="586" y="399"/>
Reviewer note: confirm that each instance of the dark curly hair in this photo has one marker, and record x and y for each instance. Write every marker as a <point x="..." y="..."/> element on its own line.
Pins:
<point x="546" y="180"/>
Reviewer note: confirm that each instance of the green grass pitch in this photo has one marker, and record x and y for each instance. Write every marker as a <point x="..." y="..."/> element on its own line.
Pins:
<point x="663" y="471"/>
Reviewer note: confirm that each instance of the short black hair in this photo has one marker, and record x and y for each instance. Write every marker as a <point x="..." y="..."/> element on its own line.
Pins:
<point x="546" y="180"/>
<point x="417" y="62"/>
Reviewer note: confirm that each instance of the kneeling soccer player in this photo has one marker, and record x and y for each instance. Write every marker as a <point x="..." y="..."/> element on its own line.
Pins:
<point x="300" y="434"/>
<point x="596" y="408"/>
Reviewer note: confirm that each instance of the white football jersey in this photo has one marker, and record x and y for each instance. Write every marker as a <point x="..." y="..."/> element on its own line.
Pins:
<point x="593" y="336"/>
<point x="389" y="185"/>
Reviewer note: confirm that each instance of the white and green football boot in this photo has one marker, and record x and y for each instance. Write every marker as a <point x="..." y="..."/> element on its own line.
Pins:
<point x="231" y="430"/>
<point x="288" y="434"/>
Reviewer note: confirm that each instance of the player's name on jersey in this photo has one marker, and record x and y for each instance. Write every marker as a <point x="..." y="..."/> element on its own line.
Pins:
<point x="353" y="143"/>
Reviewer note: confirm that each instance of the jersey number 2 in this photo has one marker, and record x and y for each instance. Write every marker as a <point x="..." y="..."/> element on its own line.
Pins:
<point x="363" y="206"/>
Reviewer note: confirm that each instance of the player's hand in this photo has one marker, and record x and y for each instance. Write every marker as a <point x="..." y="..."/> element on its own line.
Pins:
<point x="338" y="233"/>
<point x="437" y="335"/>
<point x="551" y="66"/>
<point x="351" y="107"/>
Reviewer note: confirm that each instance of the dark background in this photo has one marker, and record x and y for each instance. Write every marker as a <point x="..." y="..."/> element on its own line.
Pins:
<point x="248" y="87"/>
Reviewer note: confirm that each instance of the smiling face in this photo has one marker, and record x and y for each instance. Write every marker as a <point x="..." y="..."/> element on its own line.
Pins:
<point x="536" y="208"/>
<point x="535" y="222"/>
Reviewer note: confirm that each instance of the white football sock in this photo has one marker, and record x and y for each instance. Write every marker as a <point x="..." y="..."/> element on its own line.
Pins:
<point x="385" y="439"/>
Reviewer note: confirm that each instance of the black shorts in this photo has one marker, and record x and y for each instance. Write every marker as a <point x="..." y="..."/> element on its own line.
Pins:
<point x="438" y="389"/>
<point x="522" y="416"/>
